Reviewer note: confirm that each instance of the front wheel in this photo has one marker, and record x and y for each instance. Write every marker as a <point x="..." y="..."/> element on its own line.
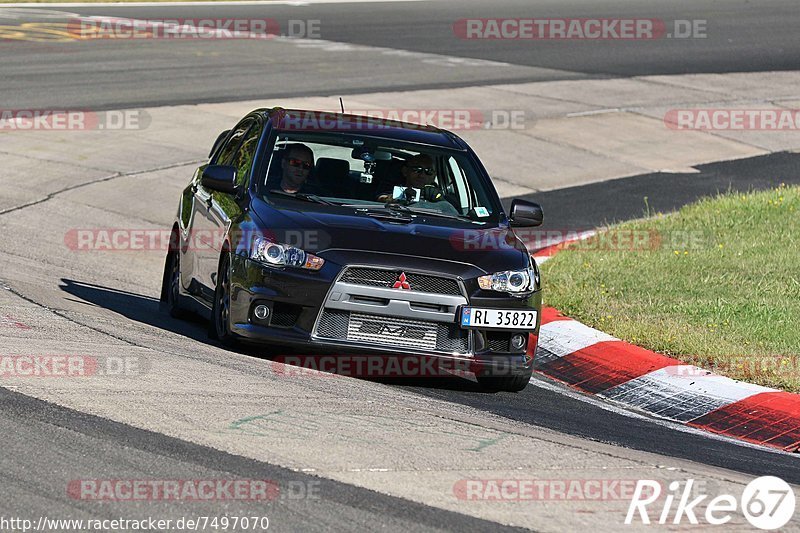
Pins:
<point x="171" y="291"/>
<point x="220" y="327"/>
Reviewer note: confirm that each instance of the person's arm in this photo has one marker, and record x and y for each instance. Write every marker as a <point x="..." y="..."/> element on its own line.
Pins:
<point x="386" y="193"/>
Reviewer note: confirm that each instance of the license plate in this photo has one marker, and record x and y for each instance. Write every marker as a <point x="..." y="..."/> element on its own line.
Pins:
<point x="477" y="317"/>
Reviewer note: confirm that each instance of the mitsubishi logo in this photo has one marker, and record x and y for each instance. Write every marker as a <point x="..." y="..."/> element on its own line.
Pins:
<point x="401" y="282"/>
<point x="393" y="330"/>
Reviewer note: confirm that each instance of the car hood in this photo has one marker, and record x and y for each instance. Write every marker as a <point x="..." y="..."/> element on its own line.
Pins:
<point x="323" y="230"/>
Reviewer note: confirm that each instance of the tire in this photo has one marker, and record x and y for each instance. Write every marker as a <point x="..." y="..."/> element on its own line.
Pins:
<point x="220" y="327"/>
<point x="172" y="280"/>
<point x="514" y="383"/>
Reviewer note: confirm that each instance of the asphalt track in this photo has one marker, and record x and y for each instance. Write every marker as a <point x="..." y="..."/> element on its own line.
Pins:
<point x="45" y="445"/>
<point x="42" y="435"/>
<point x="741" y="36"/>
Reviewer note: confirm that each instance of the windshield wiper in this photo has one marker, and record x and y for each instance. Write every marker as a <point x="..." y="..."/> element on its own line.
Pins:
<point x="397" y="207"/>
<point x="303" y="196"/>
<point x="431" y="212"/>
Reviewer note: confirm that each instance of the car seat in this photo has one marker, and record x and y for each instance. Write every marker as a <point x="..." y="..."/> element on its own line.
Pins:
<point x="331" y="177"/>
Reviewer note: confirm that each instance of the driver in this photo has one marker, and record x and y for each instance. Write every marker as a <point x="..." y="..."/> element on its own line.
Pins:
<point x="418" y="172"/>
<point x="296" y="166"/>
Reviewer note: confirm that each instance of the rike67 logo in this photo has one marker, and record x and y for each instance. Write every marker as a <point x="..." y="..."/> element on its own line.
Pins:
<point x="767" y="503"/>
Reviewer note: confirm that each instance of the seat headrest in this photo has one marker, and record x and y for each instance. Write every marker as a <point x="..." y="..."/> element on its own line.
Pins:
<point x="328" y="166"/>
<point x="332" y="176"/>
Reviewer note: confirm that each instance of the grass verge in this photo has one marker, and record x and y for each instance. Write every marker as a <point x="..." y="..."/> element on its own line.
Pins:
<point x="716" y="284"/>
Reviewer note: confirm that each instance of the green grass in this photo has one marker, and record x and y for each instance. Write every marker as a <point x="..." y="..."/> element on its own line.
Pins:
<point x="716" y="284"/>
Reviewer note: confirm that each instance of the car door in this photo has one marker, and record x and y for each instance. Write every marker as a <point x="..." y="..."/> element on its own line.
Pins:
<point x="226" y="209"/>
<point x="208" y="228"/>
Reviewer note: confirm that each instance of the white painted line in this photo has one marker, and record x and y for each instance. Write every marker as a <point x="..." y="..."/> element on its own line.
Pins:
<point x="29" y="13"/>
<point x="563" y="337"/>
<point x="594" y="112"/>
<point x="690" y="170"/>
<point x="425" y="57"/>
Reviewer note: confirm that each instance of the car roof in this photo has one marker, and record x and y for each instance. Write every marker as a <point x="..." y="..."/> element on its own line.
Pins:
<point x="305" y="120"/>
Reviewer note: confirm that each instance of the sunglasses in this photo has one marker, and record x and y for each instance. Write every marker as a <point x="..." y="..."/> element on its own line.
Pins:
<point x="419" y="170"/>
<point x="300" y="163"/>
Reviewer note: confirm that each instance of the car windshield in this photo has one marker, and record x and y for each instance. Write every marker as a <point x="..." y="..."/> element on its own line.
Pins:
<point x="378" y="173"/>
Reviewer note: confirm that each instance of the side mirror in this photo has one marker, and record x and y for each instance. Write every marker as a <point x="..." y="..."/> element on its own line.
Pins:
<point x="524" y="213"/>
<point x="220" y="178"/>
<point x="220" y="139"/>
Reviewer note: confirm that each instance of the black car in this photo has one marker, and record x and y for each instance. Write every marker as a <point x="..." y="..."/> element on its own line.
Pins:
<point x="345" y="234"/>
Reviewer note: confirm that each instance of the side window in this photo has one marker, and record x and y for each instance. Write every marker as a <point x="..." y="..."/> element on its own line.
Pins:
<point x="229" y="149"/>
<point x="243" y="160"/>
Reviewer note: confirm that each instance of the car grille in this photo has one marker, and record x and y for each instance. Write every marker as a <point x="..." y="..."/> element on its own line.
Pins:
<point x="284" y="315"/>
<point x="498" y="342"/>
<point x="375" y="277"/>
<point x="397" y="331"/>
<point x="391" y="331"/>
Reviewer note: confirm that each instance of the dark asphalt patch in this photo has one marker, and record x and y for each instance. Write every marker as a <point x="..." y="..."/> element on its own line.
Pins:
<point x="589" y="206"/>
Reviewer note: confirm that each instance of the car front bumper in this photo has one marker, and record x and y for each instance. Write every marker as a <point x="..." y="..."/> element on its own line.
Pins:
<point x="335" y="312"/>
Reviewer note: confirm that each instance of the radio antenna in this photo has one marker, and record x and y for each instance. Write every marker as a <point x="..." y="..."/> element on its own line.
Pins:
<point x="341" y="103"/>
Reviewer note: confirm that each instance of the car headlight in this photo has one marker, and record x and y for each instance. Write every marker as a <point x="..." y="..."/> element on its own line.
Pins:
<point x="274" y="254"/>
<point x="511" y="281"/>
